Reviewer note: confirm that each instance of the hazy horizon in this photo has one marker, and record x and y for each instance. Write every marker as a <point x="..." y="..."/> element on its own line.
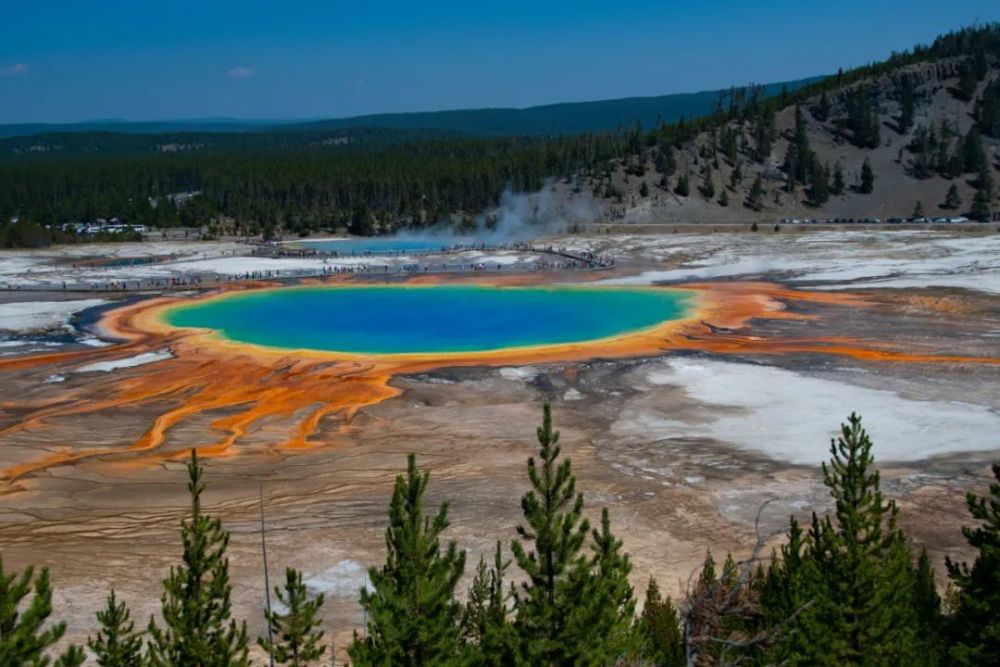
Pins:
<point x="66" y="63"/>
<point x="307" y="119"/>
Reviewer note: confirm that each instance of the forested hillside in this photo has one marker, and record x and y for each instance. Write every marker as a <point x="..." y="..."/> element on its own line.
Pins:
<point x="916" y="134"/>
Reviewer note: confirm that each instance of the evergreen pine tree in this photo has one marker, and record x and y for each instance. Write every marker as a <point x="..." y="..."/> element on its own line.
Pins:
<point x="975" y="627"/>
<point x="918" y="210"/>
<point x="982" y="201"/>
<point x="603" y="626"/>
<point x="644" y="190"/>
<point x="907" y="105"/>
<point x="362" y="223"/>
<point x="296" y="637"/>
<point x="867" y="178"/>
<point x="708" y="187"/>
<point x="799" y="156"/>
<point x="967" y="83"/>
<point x="822" y="110"/>
<point x="683" y="187"/>
<point x="988" y="109"/>
<point x="660" y="630"/>
<point x="927" y="606"/>
<point x="665" y="161"/>
<point x="787" y="589"/>
<point x="838" y="185"/>
<point x="736" y="176"/>
<point x="23" y="641"/>
<point x="862" y="119"/>
<point x="724" y="198"/>
<point x="413" y="617"/>
<point x="755" y="199"/>
<point x="975" y="154"/>
<point x="764" y="134"/>
<point x="556" y="530"/>
<point x="71" y="657"/>
<point x="198" y="628"/>
<point x="819" y="184"/>
<point x="116" y="644"/>
<point x="861" y="610"/>
<point x="485" y="620"/>
<point x="875" y="130"/>
<point x="952" y="200"/>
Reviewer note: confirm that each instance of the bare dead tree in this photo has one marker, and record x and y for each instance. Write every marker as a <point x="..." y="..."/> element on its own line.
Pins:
<point x="267" y="582"/>
<point x="708" y="606"/>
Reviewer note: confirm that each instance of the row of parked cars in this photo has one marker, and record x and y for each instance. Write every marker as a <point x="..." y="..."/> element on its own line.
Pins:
<point x="955" y="219"/>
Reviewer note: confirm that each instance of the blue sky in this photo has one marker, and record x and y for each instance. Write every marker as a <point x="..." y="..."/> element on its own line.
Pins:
<point x="66" y="60"/>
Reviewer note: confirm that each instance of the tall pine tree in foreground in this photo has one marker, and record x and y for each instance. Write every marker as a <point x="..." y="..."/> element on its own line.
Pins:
<point x="857" y="595"/>
<point x="413" y="617"/>
<point x="25" y="631"/>
<point x="555" y="532"/>
<point x="117" y="644"/>
<point x="976" y="624"/>
<point x="296" y="639"/>
<point x="198" y="628"/>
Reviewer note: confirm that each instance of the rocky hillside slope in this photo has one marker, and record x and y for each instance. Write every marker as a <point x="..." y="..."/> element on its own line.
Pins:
<point x="909" y="157"/>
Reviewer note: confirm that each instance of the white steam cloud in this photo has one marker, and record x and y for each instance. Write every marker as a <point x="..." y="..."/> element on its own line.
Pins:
<point x="520" y="216"/>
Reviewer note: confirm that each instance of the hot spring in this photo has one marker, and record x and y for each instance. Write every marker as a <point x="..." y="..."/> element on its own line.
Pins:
<point x="432" y="319"/>
<point x="378" y="245"/>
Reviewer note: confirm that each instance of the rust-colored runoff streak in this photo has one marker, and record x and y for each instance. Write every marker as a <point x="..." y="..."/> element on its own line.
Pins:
<point x="307" y="387"/>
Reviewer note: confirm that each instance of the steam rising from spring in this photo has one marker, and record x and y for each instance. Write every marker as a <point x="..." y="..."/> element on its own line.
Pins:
<point x="520" y="216"/>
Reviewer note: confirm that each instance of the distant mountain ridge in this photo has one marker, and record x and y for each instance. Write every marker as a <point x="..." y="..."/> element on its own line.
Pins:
<point x="547" y="119"/>
<point x="133" y="127"/>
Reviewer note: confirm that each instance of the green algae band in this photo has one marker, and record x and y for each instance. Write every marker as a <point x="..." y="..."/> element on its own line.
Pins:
<point x="430" y="319"/>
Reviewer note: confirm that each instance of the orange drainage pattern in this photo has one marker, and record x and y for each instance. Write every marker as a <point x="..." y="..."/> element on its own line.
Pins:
<point x="208" y="373"/>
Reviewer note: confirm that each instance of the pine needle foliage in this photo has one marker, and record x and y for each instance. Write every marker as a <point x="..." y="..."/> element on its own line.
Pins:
<point x="555" y="531"/>
<point x="413" y="617"/>
<point x="117" y="644"/>
<point x="197" y="624"/>
<point x="660" y="630"/>
<point x="856" y="580"/>
<point x="485" y="622"/>
<point x="976" y="624"/>
<point x="297" y="640"/>
<point x="25" y="631"/>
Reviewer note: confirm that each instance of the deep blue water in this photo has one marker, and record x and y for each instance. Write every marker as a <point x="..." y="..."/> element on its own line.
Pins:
<point x="431" y="319"/>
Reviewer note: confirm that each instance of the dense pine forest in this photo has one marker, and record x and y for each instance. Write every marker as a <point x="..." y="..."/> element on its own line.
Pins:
<point x="847" y="589"/>
<point x="380" y="180"/>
